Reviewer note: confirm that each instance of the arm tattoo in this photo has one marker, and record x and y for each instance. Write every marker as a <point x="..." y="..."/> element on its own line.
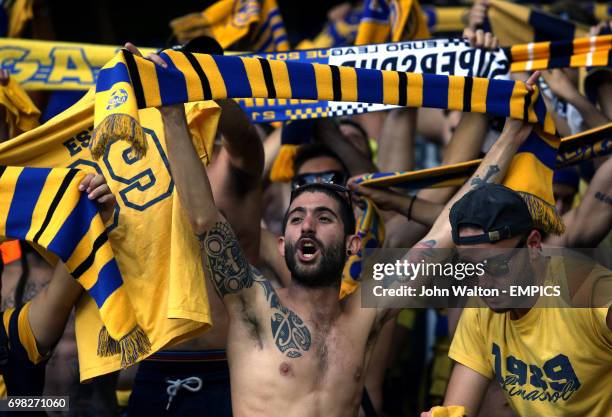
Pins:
<point x="228" y="265"/>
<point x="290" y="333"/>
<point x="603" y="198"/>
<point x="491" y="172"/>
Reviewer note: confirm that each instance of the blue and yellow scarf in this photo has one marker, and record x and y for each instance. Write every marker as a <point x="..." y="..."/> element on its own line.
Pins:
<point x="45" y="207"/>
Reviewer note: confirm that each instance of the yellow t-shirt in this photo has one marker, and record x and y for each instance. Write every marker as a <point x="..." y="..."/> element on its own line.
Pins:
<point x="550" y="362"/>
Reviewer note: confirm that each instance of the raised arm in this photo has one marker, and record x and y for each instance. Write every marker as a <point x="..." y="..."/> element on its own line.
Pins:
<point x="492" y="169"/>
<point x="51" y="307"/>
<point x="396" y="143"/>
<point x="241" y="141"/>
<point x="591" y="221"/>
<point x="222" y="255"/>
<point x="561" y="85"/>
<point x="329" y="133"/>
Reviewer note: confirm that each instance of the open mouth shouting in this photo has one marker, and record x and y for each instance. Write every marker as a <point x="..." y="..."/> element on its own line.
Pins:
<point x="308" y="250"/>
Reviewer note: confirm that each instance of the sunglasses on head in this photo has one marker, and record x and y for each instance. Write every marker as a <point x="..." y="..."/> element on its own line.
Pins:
<point x="341" y="190"/>
<point x="326" y="177"/>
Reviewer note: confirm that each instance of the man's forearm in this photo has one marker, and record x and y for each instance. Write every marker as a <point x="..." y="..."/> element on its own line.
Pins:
<point x="51" y="307"/>
<point x="240" y="139"/>
<point x="465" y="145"/>
<point x="356" y="163"/>
<point x="396" y="144"/>
<point x="591" y="115"/>
<point x="492" y="169"/>
<point x="188" y="173"/>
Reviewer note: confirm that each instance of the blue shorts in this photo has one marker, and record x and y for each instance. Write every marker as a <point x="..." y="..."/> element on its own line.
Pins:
<point x="189" y="384"/>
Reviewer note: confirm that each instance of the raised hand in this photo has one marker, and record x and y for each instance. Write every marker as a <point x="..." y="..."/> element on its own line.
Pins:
<point x="97" y="189"/>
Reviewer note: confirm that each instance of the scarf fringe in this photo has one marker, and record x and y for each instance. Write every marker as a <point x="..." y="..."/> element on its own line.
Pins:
<point x="282" y="169"/>
<point x="131" y="346"/>
<point x="118" y="127"/>
<point x="544" y="215"/>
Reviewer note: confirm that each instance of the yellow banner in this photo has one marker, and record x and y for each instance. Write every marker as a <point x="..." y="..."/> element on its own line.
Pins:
<point x="43" y="65"/>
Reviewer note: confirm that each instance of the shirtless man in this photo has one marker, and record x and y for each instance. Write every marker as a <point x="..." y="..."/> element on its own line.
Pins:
<point x="235" y="173"/>
<point x="296" y="351"/>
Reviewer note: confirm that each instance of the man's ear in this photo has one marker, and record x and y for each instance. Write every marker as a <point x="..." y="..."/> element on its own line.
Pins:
<point x="534" y="242"/>
<point x="281" y="245"/>
<point x="353" y="244"/>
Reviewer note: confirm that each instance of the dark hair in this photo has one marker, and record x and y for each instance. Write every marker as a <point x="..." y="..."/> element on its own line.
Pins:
<point x="346" y="214"/>
<point x="315" y="150"/>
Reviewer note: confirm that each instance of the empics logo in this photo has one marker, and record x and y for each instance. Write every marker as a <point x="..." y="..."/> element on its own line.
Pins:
<point x="117" y="98"/>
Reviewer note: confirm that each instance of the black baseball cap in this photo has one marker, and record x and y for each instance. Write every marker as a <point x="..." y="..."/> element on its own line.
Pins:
<point x="498" y="210"/>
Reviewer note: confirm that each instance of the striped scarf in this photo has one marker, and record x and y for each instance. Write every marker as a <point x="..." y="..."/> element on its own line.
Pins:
<point x="128" y="83"/>
<point x="391" y="21"/>
<point x="593" y="51"/>
<point x="572" y="150"/>
<point x="514" y="24"/>
<point x="229" y="21"/>
<point x="45" y="207"/>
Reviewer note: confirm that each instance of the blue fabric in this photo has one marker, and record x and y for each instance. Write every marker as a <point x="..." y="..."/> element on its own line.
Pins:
<point x="27" y="191"/>
<point x="172" y="83"/>
<point x="235" y="76"/>
<point x="60" y="101"/>
<point x="568" y="176"/>
<point x="149" y="397"/>
<point x="74" y="228"/>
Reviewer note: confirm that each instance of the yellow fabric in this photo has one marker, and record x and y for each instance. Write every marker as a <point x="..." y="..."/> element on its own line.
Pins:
<point x="3" y="392"/>
<point x="51" y="65"/>
<point x="19" y="14"/>
<point x="157" y="253"/>
<point x="21" y="114"/>
<point x="449" y="411"/>
<point x="229" y="21"/>
<point x="592" y="51"/>
<point x="406" y="21"/>
<point x="447" y="19"/>
<point x="45" y="206"/>
<point x="510" y="23"/>
<point x="546" y="342"/>
<point x="371" y="230"/>
<point x="26" y="338"/>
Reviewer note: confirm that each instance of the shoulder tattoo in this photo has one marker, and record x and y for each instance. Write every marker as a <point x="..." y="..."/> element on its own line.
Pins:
<point x="225" y="260"/>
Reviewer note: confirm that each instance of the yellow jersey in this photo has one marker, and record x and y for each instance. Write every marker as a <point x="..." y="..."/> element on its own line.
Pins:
<point x="550" y="362"/>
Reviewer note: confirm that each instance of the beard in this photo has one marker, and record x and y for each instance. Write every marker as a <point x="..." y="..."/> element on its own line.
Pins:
<point x="326" y="272"/>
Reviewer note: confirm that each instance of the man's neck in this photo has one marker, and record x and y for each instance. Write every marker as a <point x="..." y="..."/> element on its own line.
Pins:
<point x="322" y="300"/>
<point x="539" y="271"/>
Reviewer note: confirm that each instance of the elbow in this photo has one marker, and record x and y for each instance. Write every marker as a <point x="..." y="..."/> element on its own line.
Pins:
<point x="202" y="224"/>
